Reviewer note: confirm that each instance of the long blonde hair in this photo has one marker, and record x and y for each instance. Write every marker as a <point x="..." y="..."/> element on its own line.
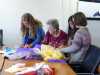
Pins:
<point x="32" y="21"/>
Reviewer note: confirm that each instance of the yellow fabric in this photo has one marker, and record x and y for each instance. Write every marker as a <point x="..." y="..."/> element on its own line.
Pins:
<point x="48" y="52"/>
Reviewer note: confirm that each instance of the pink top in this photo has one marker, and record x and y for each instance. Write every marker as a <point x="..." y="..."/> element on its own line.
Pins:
<point x="56" y="42"/>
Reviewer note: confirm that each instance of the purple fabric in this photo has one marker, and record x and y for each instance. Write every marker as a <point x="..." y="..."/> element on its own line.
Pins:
<point x="35" y="57"/>
<point x="37" y="46"/>
<point x="56" y="61"/>
<point x="24" y="49"/>
<point x="24" y="53"/>
<point x="28" y="49"/>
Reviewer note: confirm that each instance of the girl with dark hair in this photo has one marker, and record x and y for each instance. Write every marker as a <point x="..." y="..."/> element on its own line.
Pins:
<point x="71" y="29"/>
<point x="81" y="40"/>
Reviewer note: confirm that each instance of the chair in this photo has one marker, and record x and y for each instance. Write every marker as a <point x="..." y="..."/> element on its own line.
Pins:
<point x="1" y="37"/>
<point x="90" y="63"/>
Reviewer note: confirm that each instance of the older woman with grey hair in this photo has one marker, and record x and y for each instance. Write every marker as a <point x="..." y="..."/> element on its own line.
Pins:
<point x="54" y="36"/>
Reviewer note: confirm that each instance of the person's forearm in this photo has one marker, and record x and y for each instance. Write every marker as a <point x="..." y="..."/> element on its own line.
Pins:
<point x="36" y="41"/>
<point x="70" y="49"/>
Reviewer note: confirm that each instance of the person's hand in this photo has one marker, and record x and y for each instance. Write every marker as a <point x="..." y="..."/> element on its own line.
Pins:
<point x="26" y="46"/>
<point x="62" y="46"/>
<point x="30" y="46"/>
<point x="22" y="46"/>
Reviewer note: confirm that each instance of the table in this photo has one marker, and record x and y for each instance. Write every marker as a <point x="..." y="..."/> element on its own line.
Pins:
<point x="98" y="69"/>
<point x="60" y="69"/>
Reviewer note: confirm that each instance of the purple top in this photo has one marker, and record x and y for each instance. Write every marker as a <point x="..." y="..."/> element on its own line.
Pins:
<point x="79" y="46"/>
<point x="56" y="42"/>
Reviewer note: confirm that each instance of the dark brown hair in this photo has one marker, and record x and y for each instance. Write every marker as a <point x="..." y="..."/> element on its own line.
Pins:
<point x="71" y="32"/>
<point x="32" y="21"/>
<point x="70" y="18"/>
<point x="80" y="19"/>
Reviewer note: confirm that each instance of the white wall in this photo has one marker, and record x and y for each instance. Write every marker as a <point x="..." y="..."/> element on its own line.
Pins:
<point x="94" y="27"/>
<point x="12" y="10"/>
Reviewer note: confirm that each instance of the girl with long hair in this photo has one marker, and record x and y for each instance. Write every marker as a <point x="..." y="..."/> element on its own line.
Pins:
<point x="32" y="31"/>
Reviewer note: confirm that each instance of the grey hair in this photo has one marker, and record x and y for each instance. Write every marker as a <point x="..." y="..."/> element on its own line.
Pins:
<point x="54" y="23"/>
